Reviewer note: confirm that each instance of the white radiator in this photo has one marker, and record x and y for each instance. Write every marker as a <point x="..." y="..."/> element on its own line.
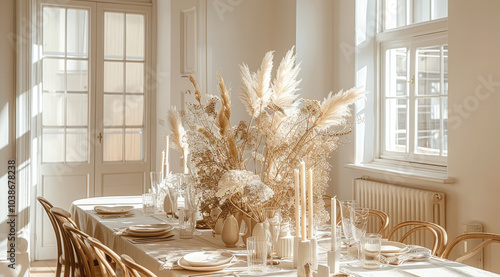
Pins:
<point x="401" y="204"/>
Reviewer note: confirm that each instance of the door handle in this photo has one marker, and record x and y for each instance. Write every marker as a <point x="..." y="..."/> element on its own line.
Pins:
<point x="100" y="137"/>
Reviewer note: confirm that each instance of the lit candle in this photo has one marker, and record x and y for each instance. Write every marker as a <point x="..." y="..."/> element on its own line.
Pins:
<point x="303" y="196"/>
<point x="167" y="142"/>
<point x="333" y="218"/>
<point x="297" y="202"/>
<point x="310" y="202"/>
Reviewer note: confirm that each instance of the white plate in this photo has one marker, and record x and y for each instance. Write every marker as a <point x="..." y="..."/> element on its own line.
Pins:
<point x="182" y="263"/>
<point x="148" y="234"/>
<point x="113" y="209"/>
<point x="208" y="258"/>
<point x="393" y="247"/>
<point x="148" y="228"/>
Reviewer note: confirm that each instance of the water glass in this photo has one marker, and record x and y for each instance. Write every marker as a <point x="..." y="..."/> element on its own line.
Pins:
<point x="371" y="245"/>
<point x="172" y="184"/>
<point x="345" y="213"/>
<point x="187" y="223"/>
<point x="148" y="203"/>
<point x="156" y="180"/>
<point x="257" y="255"/>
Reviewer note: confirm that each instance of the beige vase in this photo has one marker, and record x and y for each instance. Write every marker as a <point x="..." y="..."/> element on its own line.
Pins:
<point x="230" y="231"/>
<point x="249" y="225"/>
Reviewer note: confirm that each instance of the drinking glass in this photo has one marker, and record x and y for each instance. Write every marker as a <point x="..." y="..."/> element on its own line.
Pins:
<point x="257" y="255"/>
<point x="172" y="183"/>
<point x="371" y="245"/>
<point x="359" y="222"/>
<point x="187" y="223"/>
<point x="148" y="203"/>
<point x="346" y="219"/>
<point x="156" y="180"/>
<point x="273" y="218"/>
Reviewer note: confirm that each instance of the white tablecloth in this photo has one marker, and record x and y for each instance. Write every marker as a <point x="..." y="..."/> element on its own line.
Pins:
<point x="154" y="255"/>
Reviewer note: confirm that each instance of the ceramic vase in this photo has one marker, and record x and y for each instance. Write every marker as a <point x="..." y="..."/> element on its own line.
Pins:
<point x="249" y="225"/>
<point x="230" y="231"/>
<point x="284" y="246"/>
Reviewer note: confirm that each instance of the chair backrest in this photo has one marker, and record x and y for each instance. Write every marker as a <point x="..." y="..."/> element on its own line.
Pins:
<point x="59" y="240"/>
<point x="84" y="255"/>
<point x="135" y="269"/>
<point x="62" y="216"/>
<point x="438" y="232"/>
<point x="382" y="217"/>
<point x="101" y="251"/>
<point x="487" y="238"/>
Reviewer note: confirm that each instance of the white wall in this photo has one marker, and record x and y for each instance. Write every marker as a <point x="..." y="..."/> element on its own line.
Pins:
<point x="7" y="117"/>
<point x="473" y="133"/>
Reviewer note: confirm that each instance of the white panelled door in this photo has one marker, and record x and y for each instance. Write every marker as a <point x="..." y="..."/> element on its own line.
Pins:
<point x="94" y="126"/>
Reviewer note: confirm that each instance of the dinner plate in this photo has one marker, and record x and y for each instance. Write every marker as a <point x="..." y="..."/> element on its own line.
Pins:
<point x="147" y="234"/>
<point x="113" y="209"/>
<point x="393" y="247"/>
<point x="208" y="258"/>
<point x="148" y="228"/>
<point x="182" y="263"/>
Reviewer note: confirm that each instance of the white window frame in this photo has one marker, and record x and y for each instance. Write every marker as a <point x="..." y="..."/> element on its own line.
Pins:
<point x="430" y="33"/>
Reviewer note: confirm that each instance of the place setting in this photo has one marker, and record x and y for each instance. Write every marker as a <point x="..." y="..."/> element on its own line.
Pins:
<point x="144" y="233"/>
<point x="114" y="211"/>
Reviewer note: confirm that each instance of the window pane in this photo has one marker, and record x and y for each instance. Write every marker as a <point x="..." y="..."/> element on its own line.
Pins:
<point x="134" y="110"/>
<point x="394" y="13"/>
<point x="53" y="109"/>
<point x="113" y="145"/>
<point x="77" y="75"/>
<point x="113" y="110"/>
<point x="133" y="144"/>
<point x="396" y="72"/>
<point x="78" y="33"/>
<point x="135" y="77"/>
<point x="428" y="126"/>
<point x="445" y="69"/>
<point x="53" y="75"/>
<point x="76" y="145"/>
<point x="113" y="77"/>
<point x="77" y="111"/>
<point x="53" y="145"/>
<point x="428" y="70"/>
<point x="135" y="37"/>
<point x="53" y="31"/>
<point x="439" y="9"/>
<point x="114" y="28"/>
<point x="421" y="10"/>
<point x="445" y="125"/>
<point x="396" y="125"/>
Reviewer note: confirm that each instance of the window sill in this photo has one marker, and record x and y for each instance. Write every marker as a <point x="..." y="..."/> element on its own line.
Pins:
<point x="436" y="174"/>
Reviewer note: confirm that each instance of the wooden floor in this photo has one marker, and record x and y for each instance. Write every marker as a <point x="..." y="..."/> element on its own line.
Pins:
<point x="43" y="268"/>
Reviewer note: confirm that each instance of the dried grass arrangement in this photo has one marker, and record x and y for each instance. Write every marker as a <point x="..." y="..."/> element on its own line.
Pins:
<point x="250" y="166"/>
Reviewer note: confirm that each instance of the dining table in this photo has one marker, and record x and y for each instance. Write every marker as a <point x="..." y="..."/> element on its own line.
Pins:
<point x="161" y="256"/>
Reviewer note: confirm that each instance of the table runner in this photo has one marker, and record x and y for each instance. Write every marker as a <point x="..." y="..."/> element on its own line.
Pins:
<point x="153" y="255"/>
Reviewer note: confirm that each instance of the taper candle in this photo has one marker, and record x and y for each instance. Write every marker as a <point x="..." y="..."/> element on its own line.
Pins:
<point x="163" y="164"/>
<point x="333" y="218"/>
<point x="167" y="166"/>
<point x="297" y="202"/>
<point x="303" y="197"/>
<point x="310" y="207"/>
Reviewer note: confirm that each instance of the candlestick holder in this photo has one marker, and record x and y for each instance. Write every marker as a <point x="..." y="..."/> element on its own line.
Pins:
<point x="304" y="257"/>
<point x="314" y="252"/>
<point x="333" y="256"/>
<point x="296" y="241"/>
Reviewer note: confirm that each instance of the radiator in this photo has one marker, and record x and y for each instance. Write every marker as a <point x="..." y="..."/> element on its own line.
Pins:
<point x="401" y="204"/>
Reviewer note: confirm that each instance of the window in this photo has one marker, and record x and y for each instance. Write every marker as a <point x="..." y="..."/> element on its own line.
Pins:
<point x="413" y="81"/>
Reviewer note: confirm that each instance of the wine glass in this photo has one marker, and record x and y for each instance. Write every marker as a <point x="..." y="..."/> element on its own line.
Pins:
<point x="359" y="222"/>
<point x="156" y="180"/>
<point x="273" y="220"/>
<point x="345" y="207"/>
<point x="172" y="183"/>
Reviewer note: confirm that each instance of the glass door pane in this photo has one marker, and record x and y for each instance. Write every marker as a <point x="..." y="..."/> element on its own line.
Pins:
<point x="65" y="85"/>
<point x="123" y="86"/>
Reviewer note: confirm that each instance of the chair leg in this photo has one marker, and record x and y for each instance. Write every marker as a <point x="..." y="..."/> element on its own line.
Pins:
<point x="59" y="265"/>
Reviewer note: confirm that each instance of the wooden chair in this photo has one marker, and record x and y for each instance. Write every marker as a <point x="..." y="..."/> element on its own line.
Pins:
<point x="102" y="253"/>
<point x="85" y="256"/>
<point x="487" y="238"/>
<point x="438" y="232"/>
<point x="70" y="265"/>
<point x="59" y="241"/>
<point x="382" y="217"/>
<point x="135" y="269"/>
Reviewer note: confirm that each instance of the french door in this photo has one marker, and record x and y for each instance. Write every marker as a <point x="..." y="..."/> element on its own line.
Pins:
<point x="93" y="126"/>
